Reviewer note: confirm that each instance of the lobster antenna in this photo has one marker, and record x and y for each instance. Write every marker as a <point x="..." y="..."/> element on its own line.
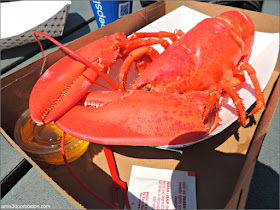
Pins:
<point x="97" y="83"/>
<point x="76" y="56"/>
<point x="78" y="179"/>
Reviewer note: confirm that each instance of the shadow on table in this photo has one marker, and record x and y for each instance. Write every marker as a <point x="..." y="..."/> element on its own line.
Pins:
<point x="12" y="57"/>
<point x="264" y="188"/>
<point x="76" y="22"/>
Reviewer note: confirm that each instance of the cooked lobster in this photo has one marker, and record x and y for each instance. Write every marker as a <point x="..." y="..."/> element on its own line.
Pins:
<point x="173" y="101"/>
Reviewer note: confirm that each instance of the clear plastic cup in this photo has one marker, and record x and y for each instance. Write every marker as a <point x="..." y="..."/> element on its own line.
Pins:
<point x="43" y="142"/>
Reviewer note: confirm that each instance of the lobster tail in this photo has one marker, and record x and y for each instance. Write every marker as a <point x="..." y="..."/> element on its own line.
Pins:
<point x="241" y="26"/>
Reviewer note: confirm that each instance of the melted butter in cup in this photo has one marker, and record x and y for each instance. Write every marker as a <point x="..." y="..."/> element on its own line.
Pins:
<point x="43" y="142"/>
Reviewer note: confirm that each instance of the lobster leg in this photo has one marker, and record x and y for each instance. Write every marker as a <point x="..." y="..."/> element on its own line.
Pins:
<point x="259" y="94"/>
<point x="134" y="55"/>
<point x="215" y="93"/>
<point x="130" y="45"/>
<point x="237" y="101"/>
<point x="161" y="34"/>
<point x="238" y="76"/>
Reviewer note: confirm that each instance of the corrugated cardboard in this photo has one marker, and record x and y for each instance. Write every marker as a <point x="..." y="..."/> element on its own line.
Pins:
<point x="223" y="172"/>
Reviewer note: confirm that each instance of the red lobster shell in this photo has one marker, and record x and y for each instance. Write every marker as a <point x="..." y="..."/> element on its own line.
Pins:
<point x="172" y="101"/>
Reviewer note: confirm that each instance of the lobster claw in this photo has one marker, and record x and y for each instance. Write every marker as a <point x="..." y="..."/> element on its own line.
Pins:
<point x="68" y="80"/>
<point x="139" y="118"/>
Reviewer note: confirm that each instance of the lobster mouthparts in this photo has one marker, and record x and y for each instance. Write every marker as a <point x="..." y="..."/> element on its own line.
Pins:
<point x="140" y="118"/>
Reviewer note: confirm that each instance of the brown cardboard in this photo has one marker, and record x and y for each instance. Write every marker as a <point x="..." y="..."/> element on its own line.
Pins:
<point x="223" y="164"/>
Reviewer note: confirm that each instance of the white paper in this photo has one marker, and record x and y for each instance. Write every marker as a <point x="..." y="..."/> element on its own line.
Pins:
<point x="151" y="188"/>
<point x="263" y="59"/>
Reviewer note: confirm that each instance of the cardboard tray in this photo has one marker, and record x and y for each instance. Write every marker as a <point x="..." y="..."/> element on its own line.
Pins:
<point x="223" y="164"/>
